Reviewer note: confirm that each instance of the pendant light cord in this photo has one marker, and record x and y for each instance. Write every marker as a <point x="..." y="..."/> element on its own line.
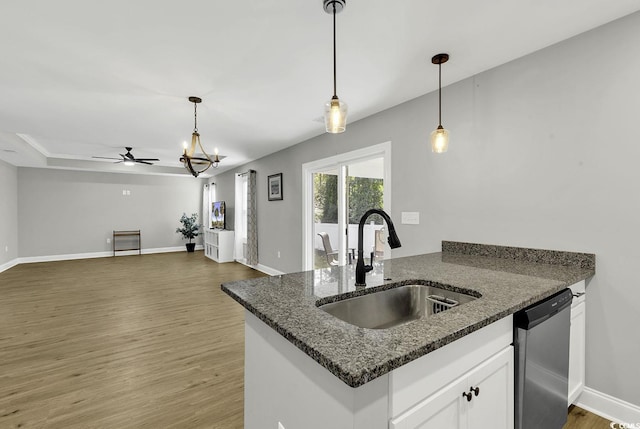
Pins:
<point x="440" y="94"/>
<point x="335" y="93"/>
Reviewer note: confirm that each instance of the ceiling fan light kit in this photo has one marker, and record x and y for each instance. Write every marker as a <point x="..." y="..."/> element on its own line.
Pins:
<point x="197" y="162"/>
<point x="440" y="136"/>
<point x="335" y="110"/>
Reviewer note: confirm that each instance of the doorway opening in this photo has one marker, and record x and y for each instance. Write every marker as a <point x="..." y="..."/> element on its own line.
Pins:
<point x="337" y="192"/>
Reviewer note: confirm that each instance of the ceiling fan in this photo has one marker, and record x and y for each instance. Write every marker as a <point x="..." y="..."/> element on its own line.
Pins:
<point x="129" y="159"/>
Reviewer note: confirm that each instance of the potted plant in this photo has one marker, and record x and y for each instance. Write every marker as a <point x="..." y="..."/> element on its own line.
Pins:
<point x="190" y="229"/>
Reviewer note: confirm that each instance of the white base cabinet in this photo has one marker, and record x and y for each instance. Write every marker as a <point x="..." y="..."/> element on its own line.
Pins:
<point x="577" y="342"/>
<point x="218" y="245"/>
<point x="481" y="398"/>
<point x="284" y="386"/>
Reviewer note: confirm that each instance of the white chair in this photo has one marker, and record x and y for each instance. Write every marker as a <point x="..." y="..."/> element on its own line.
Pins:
<point x="332" y="255"/>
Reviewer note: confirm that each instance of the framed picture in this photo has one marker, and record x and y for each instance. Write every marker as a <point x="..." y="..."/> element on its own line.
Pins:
<point x="274" y="187"/>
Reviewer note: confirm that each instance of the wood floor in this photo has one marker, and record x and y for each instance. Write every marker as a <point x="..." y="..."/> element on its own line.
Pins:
<point x="128" y="342"/>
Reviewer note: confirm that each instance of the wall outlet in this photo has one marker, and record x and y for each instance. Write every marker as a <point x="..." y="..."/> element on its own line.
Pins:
<point x="410" y="218"/>
<point x="278" y="254"/>
<point x="108" y="241"/>
<point x="126" y="192"/>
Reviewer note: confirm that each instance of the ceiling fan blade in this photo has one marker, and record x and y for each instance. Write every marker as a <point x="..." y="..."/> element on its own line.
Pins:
<point x="129" y="158"/>
<point x="104" y="157"/>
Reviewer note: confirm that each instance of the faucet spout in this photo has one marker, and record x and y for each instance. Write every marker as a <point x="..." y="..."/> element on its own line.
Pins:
<point x="394" y="242"/>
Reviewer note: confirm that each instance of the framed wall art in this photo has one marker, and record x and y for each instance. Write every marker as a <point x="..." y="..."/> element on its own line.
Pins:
<point x="274" y="187"/>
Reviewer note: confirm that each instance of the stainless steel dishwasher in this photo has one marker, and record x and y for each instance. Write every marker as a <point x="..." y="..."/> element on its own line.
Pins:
<point x="541" y="341"/>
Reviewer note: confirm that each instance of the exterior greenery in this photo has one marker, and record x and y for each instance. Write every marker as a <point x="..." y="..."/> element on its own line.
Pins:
<point x="363" y="194"/>
<point x="190" y="227"/>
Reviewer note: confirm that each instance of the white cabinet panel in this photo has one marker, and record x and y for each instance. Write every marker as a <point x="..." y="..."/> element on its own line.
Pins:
<point x="443" y="409"/>
<point x="492" y="407"/>
<point x="577" y="350"/>
<point x="489" y="386"/>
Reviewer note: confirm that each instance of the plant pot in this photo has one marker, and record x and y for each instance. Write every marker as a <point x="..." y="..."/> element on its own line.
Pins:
<point x="191" y="247"/>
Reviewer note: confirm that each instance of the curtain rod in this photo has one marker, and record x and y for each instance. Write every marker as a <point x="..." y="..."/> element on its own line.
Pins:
<point x="246" y="172"/>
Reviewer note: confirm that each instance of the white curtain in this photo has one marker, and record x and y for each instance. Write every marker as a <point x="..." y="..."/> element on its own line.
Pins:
<point x="240" y="219"/>
<point x="206" y="201"/>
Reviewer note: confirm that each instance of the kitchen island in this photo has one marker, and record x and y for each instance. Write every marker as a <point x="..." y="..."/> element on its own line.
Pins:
<point x="306" y="368"/>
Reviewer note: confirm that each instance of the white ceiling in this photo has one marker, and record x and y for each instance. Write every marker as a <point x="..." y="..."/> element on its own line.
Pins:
<point x="84" y="78"/>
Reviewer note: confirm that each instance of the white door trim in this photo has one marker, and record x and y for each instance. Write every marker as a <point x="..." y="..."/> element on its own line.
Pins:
<point x="336" y="161"/>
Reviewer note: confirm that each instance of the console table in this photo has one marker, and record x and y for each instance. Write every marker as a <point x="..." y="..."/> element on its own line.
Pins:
<point x="134" y="236"/>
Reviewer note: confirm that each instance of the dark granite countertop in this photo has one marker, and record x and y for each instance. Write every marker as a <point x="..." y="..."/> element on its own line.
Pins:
<point x="507" y="278"/>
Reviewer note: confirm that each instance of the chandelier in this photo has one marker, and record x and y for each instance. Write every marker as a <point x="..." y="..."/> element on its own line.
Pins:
<point x="197" y="162"/>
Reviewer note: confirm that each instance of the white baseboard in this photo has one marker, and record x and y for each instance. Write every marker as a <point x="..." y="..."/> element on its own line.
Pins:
<point x="7" y="265"/>
<point x="52" y="258"/>
<point x="609" y="407"/>
<point x="268" y="270"/>
<point x="262" y="268"/>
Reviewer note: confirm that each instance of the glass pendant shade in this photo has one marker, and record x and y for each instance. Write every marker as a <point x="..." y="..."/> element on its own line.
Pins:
<point x="439" y="140"/>
<point x="335" y="115"/>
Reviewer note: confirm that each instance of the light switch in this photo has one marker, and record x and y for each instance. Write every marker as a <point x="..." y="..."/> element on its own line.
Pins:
<point x="411" y="218"/>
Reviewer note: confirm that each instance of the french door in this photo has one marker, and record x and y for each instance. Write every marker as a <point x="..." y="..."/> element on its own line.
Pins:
<point x="337" y="191"/>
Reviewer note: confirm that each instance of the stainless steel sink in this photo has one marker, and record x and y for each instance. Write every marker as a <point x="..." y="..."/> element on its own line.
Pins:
<point x="393" y="307"/>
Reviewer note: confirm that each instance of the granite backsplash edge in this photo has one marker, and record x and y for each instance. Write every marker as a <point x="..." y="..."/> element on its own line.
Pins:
<point x="540" y="256"/>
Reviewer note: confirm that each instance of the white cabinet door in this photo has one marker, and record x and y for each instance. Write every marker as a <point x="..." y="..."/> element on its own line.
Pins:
<point x="450" y="407"/>
<point x="577" y="350"/>
<point x="493" y="381"/>
<point x="443" y="409"/>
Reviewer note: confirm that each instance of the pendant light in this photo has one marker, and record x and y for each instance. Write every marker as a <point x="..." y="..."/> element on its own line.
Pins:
<point x="439" y="136"/>
<point x="193" y="161"/>
<point x="335" y="111"/>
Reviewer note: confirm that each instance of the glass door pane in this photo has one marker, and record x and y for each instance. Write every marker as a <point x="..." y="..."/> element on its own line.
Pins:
<point x="325" y="218"/>
<point x="365" y="190"/>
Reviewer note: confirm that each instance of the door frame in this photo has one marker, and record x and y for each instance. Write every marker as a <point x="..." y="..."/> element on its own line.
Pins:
<point x="338" y="162"/>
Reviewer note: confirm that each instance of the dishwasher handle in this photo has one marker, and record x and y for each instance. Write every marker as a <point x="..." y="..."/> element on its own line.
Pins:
<point x="537" y="313"/>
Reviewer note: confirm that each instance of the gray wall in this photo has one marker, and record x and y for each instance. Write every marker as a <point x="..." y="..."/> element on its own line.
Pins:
<point x="8" y="213"/>
<point x="72" y="212"/>
<point x="545" y="152"/>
